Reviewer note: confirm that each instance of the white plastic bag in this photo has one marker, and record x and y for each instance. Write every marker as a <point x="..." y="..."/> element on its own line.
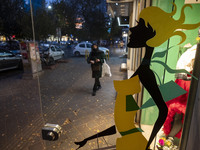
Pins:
<point x="106" y="70"/>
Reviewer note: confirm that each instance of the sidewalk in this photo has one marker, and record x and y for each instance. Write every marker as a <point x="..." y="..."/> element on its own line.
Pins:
<point x="20" y="117"/>
<point x="65" y="100"/>
<point x="81" y="114"/>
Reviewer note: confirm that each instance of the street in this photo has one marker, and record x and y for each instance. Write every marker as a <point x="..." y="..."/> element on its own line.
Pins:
<point x="61" y="95"/>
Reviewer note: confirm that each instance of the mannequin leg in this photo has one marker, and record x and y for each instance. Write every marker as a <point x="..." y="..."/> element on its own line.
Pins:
<point x="176" y="125"/>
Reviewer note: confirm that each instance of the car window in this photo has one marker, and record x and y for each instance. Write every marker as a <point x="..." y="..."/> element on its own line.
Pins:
<point x="12" y="45"/>
<point x="82" y="45"/>
<point x="89" y="45"/>
<point x="53" y="49"/>
<point x="58" y="48"/>
<point x="9" y="54"/>
<point x="5" y="54"/>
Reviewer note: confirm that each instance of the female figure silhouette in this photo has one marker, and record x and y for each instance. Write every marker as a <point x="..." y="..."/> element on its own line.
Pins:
<point x="154" y="27"/>
<point x="140" y="35"/>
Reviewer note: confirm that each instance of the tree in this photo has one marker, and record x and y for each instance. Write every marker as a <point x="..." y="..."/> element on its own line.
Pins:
<point x="95" y="26"/>
<point x="11" y="14"/>
<point x="44" y="24"/>
<point x="15" y="19"/>
<point x="27" y="32"/>
<point x="65" y="12"/>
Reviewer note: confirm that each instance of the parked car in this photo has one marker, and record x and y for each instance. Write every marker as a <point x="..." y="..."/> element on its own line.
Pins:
<point x="9" y="60"/>
<point x="45" y="44"/>
<point x="12" y="46"/>
<point x="2" y="43"/>
<point x="84" y="47"/>
<point x="63" y="42"/>
<point x="51" y="53"/>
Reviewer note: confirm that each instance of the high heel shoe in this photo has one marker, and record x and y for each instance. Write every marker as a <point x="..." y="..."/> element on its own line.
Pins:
<point x="81" y="144"/>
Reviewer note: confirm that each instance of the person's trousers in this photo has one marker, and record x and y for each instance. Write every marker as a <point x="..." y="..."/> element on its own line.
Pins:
<point x="96" y="84"/>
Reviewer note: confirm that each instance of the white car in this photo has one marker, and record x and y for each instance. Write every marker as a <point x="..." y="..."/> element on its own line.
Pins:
<point x="53" y="53"/>
<point x="85" y="47"/>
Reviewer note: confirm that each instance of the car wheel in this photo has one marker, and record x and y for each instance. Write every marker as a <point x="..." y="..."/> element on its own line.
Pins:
<point x="51" y="61"/>
<point x="77" y="54"/>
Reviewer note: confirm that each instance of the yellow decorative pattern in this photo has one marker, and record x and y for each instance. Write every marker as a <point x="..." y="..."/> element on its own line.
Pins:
<point x="124" y="120"/>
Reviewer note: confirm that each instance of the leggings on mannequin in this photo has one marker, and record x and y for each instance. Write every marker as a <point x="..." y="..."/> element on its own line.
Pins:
<point x="177" y="106"/>
<point x="176" y="125"/>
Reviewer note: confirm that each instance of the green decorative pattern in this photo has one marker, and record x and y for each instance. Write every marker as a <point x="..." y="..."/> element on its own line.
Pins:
<point x="161" y="54"/>
<point x="131" y="104"/>
<point x="173" y="70"/>
<point x="131" y="131"/>
<point x="169" y="91"/>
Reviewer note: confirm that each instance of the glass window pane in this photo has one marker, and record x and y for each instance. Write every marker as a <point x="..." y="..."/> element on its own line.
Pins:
<point x="82" y="45"/>
<point x="89" y="45"/>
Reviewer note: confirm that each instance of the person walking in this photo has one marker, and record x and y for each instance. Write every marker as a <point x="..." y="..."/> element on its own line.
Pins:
<point x="96" y="59"/>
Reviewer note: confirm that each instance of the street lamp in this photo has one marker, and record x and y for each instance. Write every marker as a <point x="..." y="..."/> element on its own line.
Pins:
<point x="49" y="7"/>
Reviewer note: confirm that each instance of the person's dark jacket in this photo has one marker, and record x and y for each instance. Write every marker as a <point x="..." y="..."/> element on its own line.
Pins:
<point x="97" y="66"/>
